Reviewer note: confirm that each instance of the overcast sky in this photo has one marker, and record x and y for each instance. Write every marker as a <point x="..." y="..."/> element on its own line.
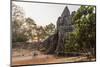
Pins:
<point x="42" y="13"/>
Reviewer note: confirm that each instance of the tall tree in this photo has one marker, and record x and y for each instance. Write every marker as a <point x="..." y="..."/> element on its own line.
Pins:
<point x="17" y="22"/>
<point x="50" y="29"/>
<point x="85" y="27"/>
<point x="30" y="28"/>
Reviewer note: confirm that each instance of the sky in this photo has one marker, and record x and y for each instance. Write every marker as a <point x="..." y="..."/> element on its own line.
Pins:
<point x="43" y="13"/>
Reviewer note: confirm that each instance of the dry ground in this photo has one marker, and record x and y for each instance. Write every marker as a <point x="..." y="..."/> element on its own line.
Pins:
<point x="25" y="57"/>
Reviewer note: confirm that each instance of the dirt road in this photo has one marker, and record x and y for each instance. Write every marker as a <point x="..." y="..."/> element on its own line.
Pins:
<point x="43" y="59"/>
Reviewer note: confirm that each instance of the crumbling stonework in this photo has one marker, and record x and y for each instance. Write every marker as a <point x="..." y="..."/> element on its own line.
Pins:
<point x="56" y="43"/>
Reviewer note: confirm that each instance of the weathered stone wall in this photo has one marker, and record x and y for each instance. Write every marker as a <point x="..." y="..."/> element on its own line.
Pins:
<point x="56" y="43"/>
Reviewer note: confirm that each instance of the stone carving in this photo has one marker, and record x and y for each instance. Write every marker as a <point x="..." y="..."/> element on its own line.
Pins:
<point x="55" y="43"/>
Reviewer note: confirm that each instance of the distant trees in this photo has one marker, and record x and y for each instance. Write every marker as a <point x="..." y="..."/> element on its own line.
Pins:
<point x="30" y="28"/>
<point x="50" y="29"/>
<point x="45" y="32"/>
<point x="24" y="29"/>
<point x="17" y="22"/>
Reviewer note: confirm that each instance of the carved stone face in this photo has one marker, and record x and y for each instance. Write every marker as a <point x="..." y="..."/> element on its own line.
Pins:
<point x="64" y="22"/>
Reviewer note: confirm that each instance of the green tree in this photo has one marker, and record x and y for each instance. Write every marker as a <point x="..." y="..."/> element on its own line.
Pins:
<point x="49" y="29"/>
<point x="17" y="22"/>
<point x="84" y="22"/>
<point x="30" y="28"/>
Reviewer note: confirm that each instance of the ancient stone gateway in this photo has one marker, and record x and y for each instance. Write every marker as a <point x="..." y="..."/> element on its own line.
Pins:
<point x="55" y="43"/>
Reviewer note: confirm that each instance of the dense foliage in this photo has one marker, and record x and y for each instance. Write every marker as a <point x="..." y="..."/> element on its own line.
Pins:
<point x="83" y="39"/>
